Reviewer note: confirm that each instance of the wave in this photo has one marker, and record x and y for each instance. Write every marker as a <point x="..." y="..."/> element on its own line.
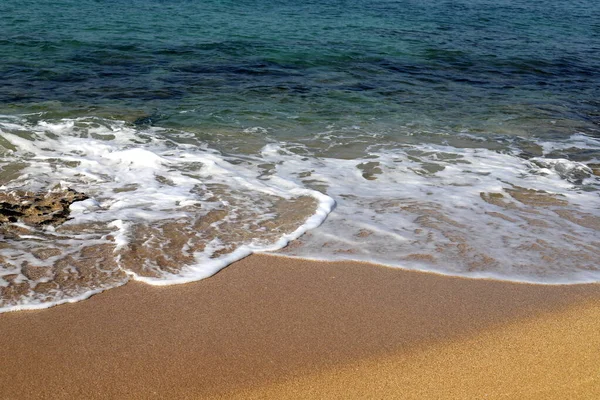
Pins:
<point x="158" y="211"/>
<point x="164" y="207"/>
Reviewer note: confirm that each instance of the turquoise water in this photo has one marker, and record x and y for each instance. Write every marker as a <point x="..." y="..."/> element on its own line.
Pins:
<point x="441" y="65"/>
<point x="455" y="136"/>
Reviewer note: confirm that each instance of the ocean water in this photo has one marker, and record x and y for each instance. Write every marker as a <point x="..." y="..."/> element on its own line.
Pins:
<point x="461" y="137"/>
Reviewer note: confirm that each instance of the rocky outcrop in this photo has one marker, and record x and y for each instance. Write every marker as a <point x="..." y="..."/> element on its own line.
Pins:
<point x="51" y="208"/>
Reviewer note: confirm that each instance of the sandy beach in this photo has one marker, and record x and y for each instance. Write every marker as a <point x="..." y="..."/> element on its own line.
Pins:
<point x="273" y="327"/>
<point x="180" y="165"/>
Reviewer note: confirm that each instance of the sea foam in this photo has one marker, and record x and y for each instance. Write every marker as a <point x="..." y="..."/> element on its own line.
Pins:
<point x="164" y="208"/>
<point x="159" y="211"/>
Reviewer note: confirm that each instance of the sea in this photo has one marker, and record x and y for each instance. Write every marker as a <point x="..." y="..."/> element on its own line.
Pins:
<point x="459" y="137"/>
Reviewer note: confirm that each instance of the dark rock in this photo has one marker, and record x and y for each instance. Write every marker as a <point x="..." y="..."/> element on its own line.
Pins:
<point x="51" y="208"/>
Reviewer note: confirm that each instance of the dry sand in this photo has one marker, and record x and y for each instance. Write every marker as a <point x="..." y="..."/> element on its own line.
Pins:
<point x="270" y="327"/>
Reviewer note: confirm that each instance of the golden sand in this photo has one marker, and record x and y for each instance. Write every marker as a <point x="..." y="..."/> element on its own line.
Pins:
<point x="270" y="327"/>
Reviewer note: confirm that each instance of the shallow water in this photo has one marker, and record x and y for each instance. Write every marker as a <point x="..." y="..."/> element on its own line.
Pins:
<point x="458" y="137"/>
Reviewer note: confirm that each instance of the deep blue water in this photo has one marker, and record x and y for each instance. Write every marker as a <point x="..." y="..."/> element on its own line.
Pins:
<point x="449" y="65"/>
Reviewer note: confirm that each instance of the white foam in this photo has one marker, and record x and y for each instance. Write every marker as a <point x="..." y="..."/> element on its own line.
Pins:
<point x="424" y="207"/>
<point x="136" y="178"/>
<point x="29" y="304"/>
<point x="437" y="220"/>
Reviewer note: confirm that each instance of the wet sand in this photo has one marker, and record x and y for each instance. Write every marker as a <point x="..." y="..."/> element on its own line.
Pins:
<point x="272" y="327"/>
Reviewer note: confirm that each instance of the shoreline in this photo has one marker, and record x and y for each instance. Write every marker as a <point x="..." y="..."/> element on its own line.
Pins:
<point x="278" y="327"/>
<point x="480" y="276"/>
<point x="368" y="264"/>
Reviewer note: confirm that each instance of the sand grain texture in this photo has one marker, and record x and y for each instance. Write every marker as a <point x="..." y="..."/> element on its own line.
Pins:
<point x="271" y="327"/>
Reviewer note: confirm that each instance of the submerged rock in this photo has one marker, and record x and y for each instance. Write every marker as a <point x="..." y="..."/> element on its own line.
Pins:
<point x="51" y="208"/>
<point x="572" y="171"/>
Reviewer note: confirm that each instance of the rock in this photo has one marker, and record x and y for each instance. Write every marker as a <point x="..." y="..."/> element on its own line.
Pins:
<point x="51" y="208"/>
<point x="572" y="171"/>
